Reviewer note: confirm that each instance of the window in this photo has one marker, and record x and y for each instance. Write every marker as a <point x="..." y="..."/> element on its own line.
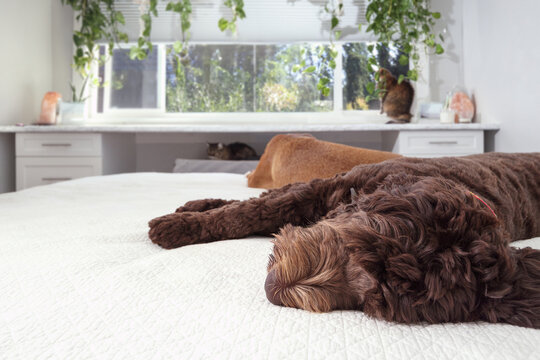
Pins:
<point x="279" y="88"/>
<point x="134" y="83"/>
<point x="238" y="78"/>
<point x="244" y="76"/>
<point x="213" y="78"/>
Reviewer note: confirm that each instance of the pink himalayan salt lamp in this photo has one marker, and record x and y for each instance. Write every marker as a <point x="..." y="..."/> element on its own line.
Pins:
<point x="49" y="108"/>
<point x="462" y="105"/>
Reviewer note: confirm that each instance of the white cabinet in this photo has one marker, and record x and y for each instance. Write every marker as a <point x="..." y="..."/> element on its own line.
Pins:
<point x="58" y="144"/>
<point x="429" y="143"/>
<point x="46" y="158"/>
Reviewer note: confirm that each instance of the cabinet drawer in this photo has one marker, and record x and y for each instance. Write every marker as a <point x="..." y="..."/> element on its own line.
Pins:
<point x="441" y="143"/>
<point x="32" y="171"/>
<point x="58" y="144"/>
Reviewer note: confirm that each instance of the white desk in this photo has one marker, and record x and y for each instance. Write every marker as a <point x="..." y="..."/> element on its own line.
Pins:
<point x="45" y="154"/>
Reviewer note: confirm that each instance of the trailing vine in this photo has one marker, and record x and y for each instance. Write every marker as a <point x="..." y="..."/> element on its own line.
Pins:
<point x="237" y="7"/>
<point x="144" y="45"/>
<point x="405" y="24"/>
<point x="408" y="25"/>
<point x="180" y="48"/>
<point x="327" y="65"/>
<point x="95" y="26"/>
<point x="184" y="9"/>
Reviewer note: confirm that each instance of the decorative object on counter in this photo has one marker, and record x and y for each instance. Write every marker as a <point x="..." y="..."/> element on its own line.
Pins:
<point x="458" y="107"/>
<point x="396" y="98"/>
<point x="233" y="151"/>
<point x="447" y="116"/>
<point x="49" y="108"/>
<point x="72" y="112"/>
<point x="430" y="110"/>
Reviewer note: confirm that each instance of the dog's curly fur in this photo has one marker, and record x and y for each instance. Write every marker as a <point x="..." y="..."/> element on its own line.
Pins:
<point x="417" y="240"/>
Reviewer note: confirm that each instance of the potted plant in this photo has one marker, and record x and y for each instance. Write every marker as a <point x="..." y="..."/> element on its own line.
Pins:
<point x="406" y="24"/>
<point x="96" y="20"/>
<point x="409" y="26"/>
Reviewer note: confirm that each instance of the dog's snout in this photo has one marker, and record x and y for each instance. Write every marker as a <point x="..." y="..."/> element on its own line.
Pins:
<point x="271" y="289"/>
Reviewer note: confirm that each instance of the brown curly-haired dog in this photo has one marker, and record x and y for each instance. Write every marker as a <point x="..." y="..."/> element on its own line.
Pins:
<point x="407" y="240"/>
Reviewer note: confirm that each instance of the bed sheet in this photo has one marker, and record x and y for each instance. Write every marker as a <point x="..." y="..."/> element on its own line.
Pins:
<point x="81" y="280"/>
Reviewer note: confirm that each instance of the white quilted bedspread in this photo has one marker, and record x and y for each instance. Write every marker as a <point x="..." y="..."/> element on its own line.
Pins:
<point x="79" y="279"/>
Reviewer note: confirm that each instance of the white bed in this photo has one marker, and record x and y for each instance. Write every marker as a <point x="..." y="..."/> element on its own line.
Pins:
<point x="79" y="279"/>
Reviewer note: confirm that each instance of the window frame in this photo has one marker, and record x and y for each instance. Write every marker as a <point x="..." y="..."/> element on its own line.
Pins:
<point x="159" y="115"/>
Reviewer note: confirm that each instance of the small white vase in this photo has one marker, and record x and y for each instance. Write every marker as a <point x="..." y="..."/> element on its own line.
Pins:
<point x="72" y="112"/>
<point x="447" y="117"/>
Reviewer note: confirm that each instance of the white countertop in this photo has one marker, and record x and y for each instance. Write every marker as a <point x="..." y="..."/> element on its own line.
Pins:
<point x="232" y="127"/>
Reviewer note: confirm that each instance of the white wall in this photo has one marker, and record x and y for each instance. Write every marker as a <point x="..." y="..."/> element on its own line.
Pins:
<point x="62" y="46"/>
<point x="26" y="60"/>
<point x="502" y="68"/>
<point x="36" y="56"/>
<point x="445" y="70"/>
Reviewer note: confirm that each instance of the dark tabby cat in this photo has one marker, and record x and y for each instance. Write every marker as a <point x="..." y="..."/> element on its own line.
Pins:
<point x="397" y="99"/>
<point x="233" y="151"/>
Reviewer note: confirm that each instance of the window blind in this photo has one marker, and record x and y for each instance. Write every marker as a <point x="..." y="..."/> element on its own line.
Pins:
<point x="267" y="21"/>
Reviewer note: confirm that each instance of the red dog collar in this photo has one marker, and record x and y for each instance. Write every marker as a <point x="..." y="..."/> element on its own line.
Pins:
<point x="478" y="197"/>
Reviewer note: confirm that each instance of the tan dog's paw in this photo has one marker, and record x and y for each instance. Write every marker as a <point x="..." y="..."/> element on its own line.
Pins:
<point x="175" y="230"/>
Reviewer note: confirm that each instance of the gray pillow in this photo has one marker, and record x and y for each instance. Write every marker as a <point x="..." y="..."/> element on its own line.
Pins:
<point x="227" y="166"/>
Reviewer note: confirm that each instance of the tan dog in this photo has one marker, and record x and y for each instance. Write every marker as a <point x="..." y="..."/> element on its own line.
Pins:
<point x="300" y="158"/>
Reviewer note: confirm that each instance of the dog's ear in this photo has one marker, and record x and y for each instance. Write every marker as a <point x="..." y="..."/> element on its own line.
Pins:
<point x="451" y="212"/>
<point x="420" y="240"/>
<point x="423" y="206"/>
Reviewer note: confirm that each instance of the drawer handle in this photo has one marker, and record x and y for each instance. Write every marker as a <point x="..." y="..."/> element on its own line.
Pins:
<point x="56" y="179"/>
<point x="57" y="145"/>
<point x="442" y="142"/>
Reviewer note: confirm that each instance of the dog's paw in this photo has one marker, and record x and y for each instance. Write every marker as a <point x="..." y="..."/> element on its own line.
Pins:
<point x="202" y="205"/>
<point x="175" y="230"/>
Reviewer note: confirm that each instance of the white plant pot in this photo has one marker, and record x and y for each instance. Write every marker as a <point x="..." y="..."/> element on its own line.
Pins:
<point x="72" y="113"/>
<point x="447" y="117"/>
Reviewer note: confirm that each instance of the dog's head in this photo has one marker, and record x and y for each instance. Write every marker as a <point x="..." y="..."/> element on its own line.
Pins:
<point x="409" y="240"/>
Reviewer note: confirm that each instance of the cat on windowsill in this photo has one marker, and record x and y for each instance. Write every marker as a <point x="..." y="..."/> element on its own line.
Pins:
<point x="233" y="151"/>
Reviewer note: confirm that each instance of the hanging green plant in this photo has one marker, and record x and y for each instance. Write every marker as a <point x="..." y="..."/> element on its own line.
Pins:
<point x="405" y="24"/>
<point x="144" y="45"/>
<point x="327" y="57"/>
<point x="180" y="48"/>
<point x="184" y="9"/>
<point x="237" y="8"/>
<point x="95" y="26"/>
<point x="409" y="26"/>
